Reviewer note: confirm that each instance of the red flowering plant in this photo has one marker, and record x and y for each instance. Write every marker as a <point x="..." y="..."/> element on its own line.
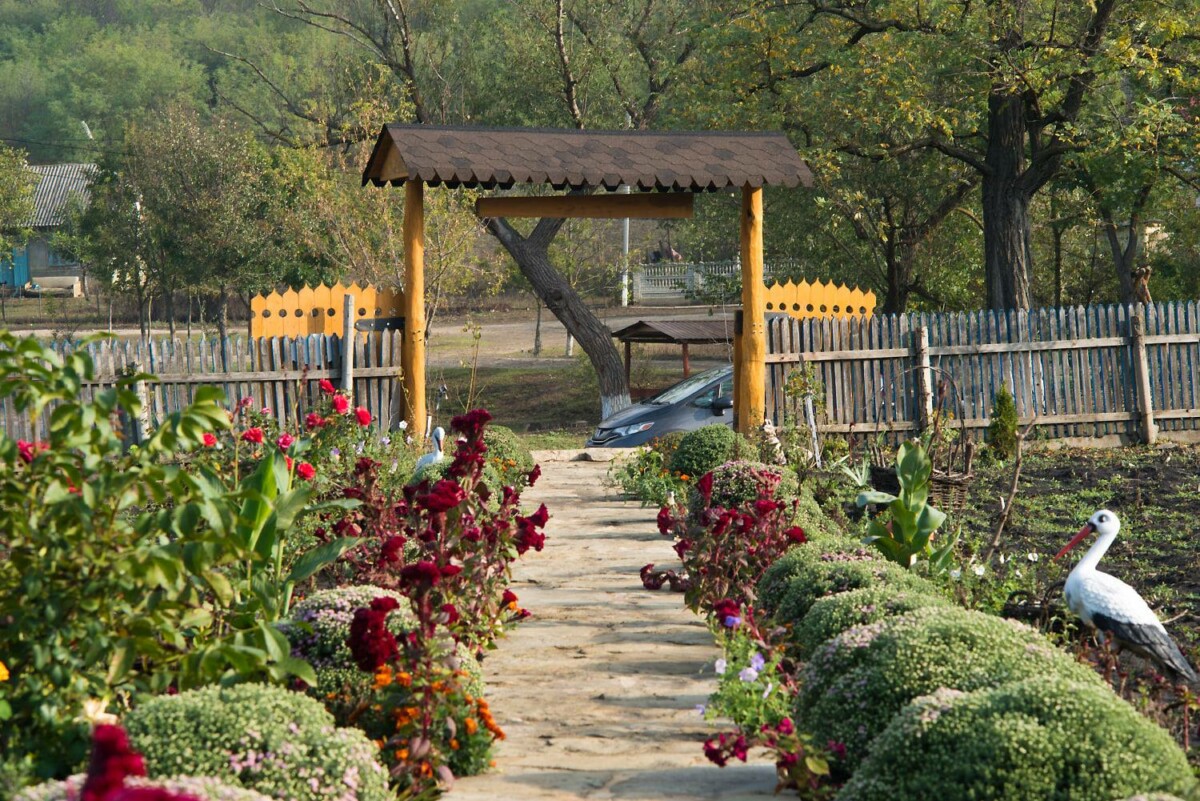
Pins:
<point x="725" y="551"/>
<point x="451" y="558"/>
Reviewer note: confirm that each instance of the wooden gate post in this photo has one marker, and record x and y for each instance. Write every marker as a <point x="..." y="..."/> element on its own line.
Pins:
<point x="413" y="345"/>
<point x="348" y="346"/>
<point x="1141" y="369"/>
<point x="924" y="371"/>
<point x="750" y="371"/>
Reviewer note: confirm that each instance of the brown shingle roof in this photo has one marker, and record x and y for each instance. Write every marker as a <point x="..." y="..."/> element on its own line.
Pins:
<point x="664" y="160"/>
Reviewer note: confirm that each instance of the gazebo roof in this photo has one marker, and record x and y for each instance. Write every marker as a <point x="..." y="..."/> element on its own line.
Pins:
<point x="679" y="332"/>
<point x="664" y="160"/>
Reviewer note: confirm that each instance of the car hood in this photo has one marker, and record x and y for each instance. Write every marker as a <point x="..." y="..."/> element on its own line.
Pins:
<point x="638" y="412"/>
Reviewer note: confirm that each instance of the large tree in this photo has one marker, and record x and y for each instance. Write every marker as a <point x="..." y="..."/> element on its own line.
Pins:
<point x="17" y="185"/>
<point x="1004" y="87"/>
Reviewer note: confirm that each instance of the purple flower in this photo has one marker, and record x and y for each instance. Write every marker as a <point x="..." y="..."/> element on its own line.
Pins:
<point x="719" y="666"/>
<point x="732" y="621"/>
<point x="757" y="661"/>
<point x="335" y="452"/>
<point x="748" y="674"/>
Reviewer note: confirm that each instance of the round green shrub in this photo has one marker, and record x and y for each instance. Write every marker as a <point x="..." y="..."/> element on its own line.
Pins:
<point x="281" y="743"/>
<point x="830" y="616"/>
<point x="667" y="444"/>
<point x="737" y="482"/>
<point x="705" y="448"/>
<point x="1042" y="739"/>
<point x="854" y="684"/>
<point x="806" y="573"/>
<point x="802" y="560"/>
<point x="201" y="788"/>
<point x="817" y="524"/>
<point x="507" y="453"/>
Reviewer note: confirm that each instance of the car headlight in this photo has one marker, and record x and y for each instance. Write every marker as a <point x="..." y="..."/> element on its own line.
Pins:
<point x="625" y="431"/>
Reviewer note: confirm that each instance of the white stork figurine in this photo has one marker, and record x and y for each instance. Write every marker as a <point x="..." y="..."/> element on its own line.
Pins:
<point x="1113" y="607"/>
<point x="438" y="436"/>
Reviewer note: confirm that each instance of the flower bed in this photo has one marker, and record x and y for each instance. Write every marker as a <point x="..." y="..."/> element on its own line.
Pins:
<point x="180" y="563"/>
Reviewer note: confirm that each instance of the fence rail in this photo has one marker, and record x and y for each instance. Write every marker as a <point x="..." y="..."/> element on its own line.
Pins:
<point x="278" y="373"/>
<point x="1128" y="373"/>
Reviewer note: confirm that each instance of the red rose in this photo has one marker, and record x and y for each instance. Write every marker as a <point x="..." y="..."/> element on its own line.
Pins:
<point x="306" y="471"/>
<point x="313" y="420"/>
<point x="210" y="439"/>
<point x="326" y="386"/>
<point x="285" y="441"/>
<point x="254" y="435"/>
<point x="28" y="450"/>
<point x="364" y="417"/>
<point x="341" y="404"/>
<point x="288" y="461"/>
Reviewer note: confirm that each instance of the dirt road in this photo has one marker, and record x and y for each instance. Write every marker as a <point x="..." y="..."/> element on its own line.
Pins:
<point x="598" y="690"/>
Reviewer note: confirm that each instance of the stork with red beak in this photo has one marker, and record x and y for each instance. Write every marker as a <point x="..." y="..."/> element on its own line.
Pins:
<point x="1112" y="607"/>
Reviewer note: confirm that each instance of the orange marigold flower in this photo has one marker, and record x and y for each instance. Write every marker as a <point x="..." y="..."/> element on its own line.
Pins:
<point x="426" y="770"/>
<point x="403" y="678"/>
<point x="453" y="744"/>
<point x="383" y="676"/>
<point x="470" y="725"/>
<point x="402" y="754"/>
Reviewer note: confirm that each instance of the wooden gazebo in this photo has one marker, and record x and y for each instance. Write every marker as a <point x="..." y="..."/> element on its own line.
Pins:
<point x="683" y="333"/>
<point x="664" y="169"/>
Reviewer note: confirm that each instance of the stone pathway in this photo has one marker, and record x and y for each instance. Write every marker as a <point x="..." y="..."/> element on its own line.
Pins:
<point x="597" y="692"/>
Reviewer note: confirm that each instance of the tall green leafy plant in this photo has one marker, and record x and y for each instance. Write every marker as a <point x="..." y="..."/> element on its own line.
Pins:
<point x="121" y="572"/>
<point x="905" y="532"/>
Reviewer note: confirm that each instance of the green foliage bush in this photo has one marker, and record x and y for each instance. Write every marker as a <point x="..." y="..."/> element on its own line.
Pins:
<point x="507" y="453"/>
<point x="1043" y="739"/>
<point x="1002" y="430"/>
<point x="820" y="527"/>
<point x="830" y="616"/>
<point x="856" y="683"/>
<point x="201" y="788"/>
<point x="645" y="476"/>
<point x="705" y="448"/>
<point x="281" y="743"/>
<point x="795" y="582"/>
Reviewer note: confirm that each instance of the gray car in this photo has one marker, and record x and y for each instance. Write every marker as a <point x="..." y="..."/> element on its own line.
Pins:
<point x="701" y="400"/>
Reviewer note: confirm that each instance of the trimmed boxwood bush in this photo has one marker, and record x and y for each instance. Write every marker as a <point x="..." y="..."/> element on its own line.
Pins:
<point x="201" y="788"/>
<point x="705" y="448"/>
<point x="832" y="615"/>
<point x="506" y="452"/>
<point x="281" y="743"/>
<point x="806" y="573"/>
<point x="855" y="683"/>
<point x="1043" y="739"/>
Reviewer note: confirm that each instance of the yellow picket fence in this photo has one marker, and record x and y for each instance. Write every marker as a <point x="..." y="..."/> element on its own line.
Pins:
<point x="319" y="310"/>
<point x="805" y="301"/>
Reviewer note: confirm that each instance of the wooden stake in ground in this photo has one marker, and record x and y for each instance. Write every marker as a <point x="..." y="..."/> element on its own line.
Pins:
<point x="1006" y="509"/>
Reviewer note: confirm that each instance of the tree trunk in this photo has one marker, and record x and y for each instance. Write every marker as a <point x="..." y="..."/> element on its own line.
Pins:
<point x="1007" y="245"/>
<point x="170" y="303"/>
<point x="532" y="256"/>
<point x="537" y="329"/>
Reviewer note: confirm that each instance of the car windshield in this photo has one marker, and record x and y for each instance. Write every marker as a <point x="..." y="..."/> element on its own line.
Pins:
<point x="686" y="387"/>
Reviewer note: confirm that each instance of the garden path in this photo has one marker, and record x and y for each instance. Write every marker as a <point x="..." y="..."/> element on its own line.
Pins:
<point x="597" y="692"/>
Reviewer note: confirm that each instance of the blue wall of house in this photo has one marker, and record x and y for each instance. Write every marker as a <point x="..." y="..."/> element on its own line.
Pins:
<point x="14" y="271"/>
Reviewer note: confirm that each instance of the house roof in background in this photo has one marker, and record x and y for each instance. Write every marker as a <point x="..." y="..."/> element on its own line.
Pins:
<point x="58" y="182"/>
<point x="663" y="160"/>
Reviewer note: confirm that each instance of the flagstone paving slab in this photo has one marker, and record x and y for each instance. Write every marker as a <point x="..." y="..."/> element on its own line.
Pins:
<point x="598" y="691"/>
